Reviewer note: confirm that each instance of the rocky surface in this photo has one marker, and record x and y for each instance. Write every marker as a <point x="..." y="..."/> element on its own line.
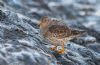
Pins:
<point x="22" y="44"/>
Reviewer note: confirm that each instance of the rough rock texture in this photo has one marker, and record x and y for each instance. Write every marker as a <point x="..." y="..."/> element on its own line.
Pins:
<point x="21" y="43"/>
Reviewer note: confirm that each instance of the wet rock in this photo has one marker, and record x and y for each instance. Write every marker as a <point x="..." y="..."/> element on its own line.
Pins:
<point x="85" y="40"/>
<point x="85" y="54"/>
<point x="2" y="4"/>
<point x="95" y="47"/>
<point x="21" y="43"/>
<point x="2" y="16"/>
<point x="18" y="46"/>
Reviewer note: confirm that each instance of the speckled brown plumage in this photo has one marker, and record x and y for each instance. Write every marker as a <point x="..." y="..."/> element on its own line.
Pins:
<point x="59" y="31"/>
<point x="55" y="31"/>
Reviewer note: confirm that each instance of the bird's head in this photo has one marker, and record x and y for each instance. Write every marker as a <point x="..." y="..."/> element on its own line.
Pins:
<point x="44" y="21"/>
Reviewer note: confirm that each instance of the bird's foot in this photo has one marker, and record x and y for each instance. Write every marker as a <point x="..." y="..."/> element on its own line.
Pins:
<point x="61" y="51"/>
<point x="52" y="48"/>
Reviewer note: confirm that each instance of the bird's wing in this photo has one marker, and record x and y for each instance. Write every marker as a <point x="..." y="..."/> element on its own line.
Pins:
<point x="59" y="31"/>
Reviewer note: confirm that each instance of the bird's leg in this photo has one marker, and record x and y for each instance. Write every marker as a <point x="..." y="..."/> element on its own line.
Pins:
<point x="53" y="48"/>
<point x="61" y="51"/>
<point x="54" y="43"/>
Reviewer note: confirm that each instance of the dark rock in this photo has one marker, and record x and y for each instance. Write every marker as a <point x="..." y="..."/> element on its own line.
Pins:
<point x="2" y="16"/>
<point x="22" y="44"/>
<point x="2" y="4"/>
<point x="15" y="44"/>
<point x="95" y="47"/>
<point x="85" y="40"/>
